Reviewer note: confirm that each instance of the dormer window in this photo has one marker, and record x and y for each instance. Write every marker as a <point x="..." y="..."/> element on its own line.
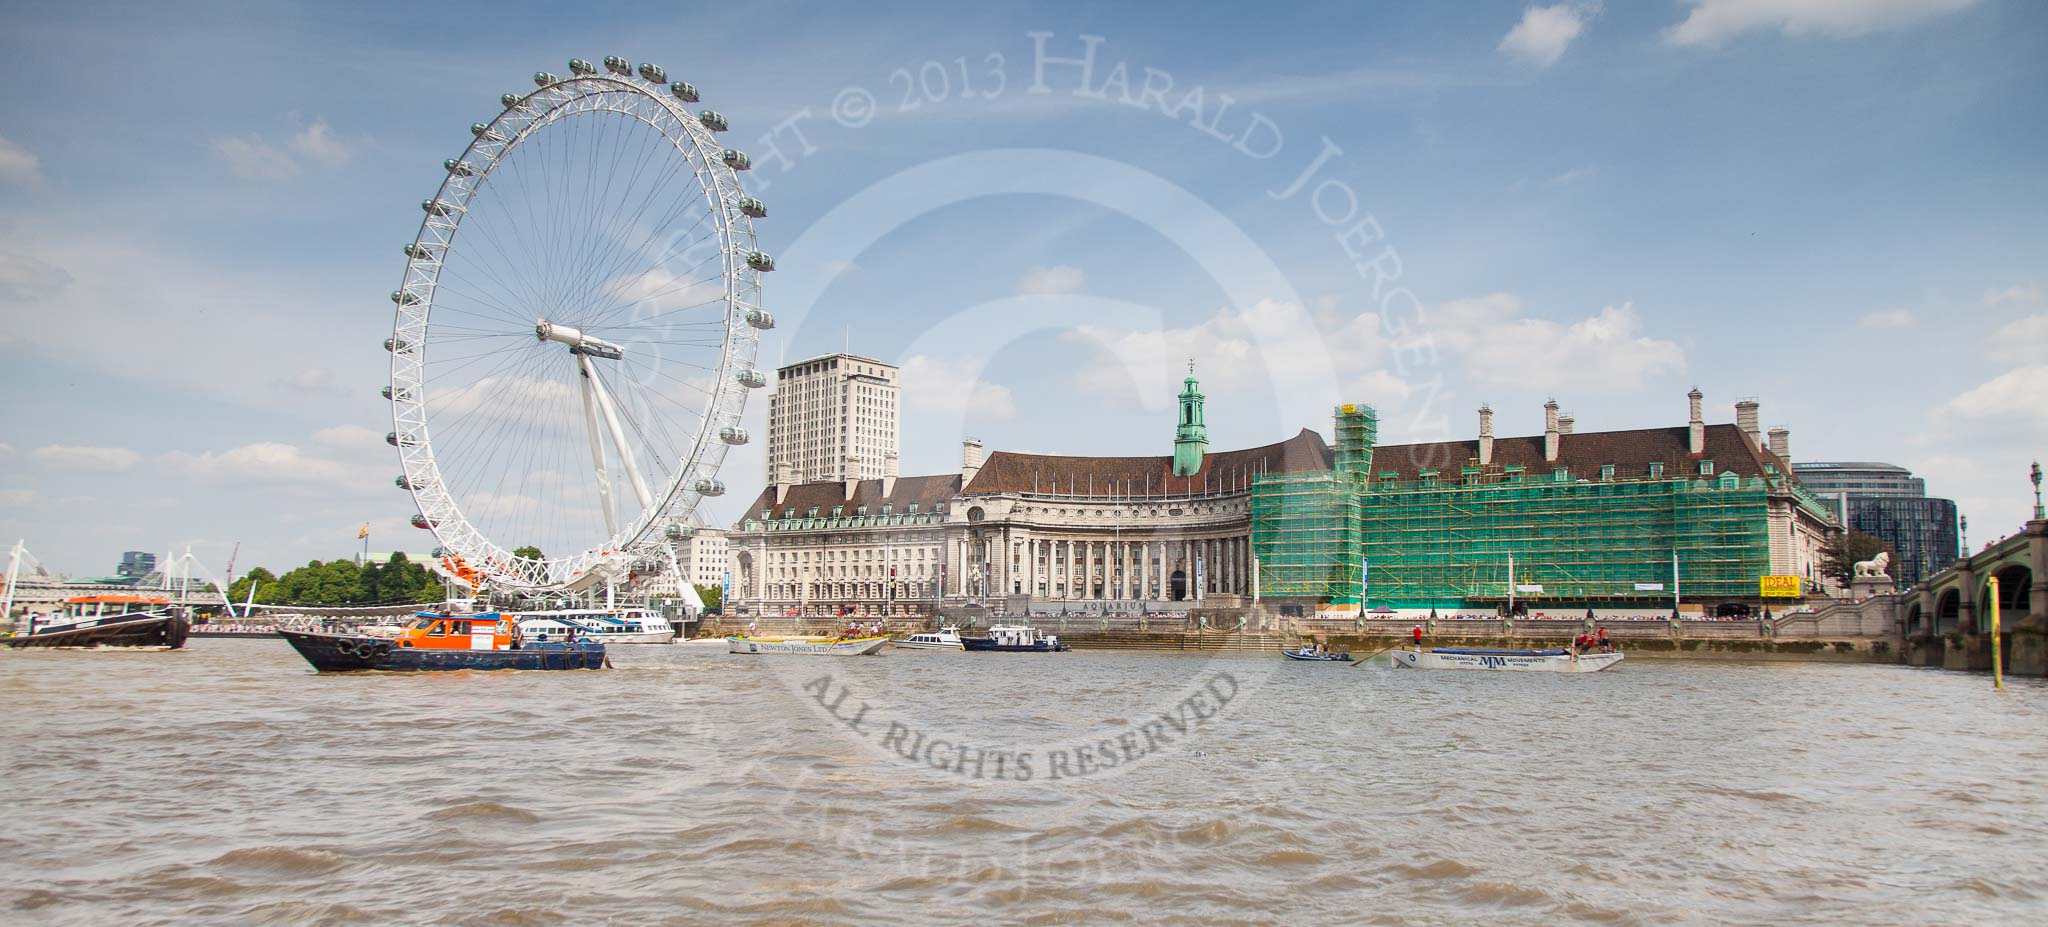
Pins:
<point x="1561" y="474"/>
<point x="1606" y="473"/>
<point x="838" y="510"/>
<point x="1657" y="470"/>
<point x="1706" y="468"/>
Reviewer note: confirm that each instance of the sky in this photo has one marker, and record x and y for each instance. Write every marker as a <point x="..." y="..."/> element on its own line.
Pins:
<point x="1043" y="213"/>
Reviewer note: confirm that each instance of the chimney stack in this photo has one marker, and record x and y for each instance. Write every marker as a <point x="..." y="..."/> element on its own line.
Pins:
<point x="1781" y="444"/>
<point x="1696" y="425"/>
<point x="1746" y="420"/>
<point x="852" y="476"/>
<point x="1485" y="435"/>
<point x="1550" y="431"/>
<point x="782" y="481"/>
<point x="970" y="460"/>
<point x="1564" y="424"/>
<point x="889" y="475"/>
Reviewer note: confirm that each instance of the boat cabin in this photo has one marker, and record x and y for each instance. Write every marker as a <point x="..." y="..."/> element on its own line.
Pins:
<point x="1016" y="636"/>
<point x="86" y="607"/>
<point x="428" y="631"/>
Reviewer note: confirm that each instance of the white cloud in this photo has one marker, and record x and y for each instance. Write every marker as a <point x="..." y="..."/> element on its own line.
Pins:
<point x="2021" y="339"/>
<point x="256" y="158"/>
<point x="2019" y="294"/>
<point x="1712" y="22"/>
<point x="354" y="437"/>
<point x="954" y="389"/>
<point x="90" y="459"/>
<point x="1606" y="350"/>
<point x="316" y="142"/>
<point x="24" y="279"/>
<point x="1888" y="318"/>
<point x="252" y="157"/>
<point x="19" y="166"/>
<point x="1572" y="176"/>
<point x="1057" y="279"/>
<point x="1545" y="32"/>
<point x="15" y="498"/>
<point x="311" y="380"/>
<point x="265" y="462"/>
<point x="2015" y="394"/>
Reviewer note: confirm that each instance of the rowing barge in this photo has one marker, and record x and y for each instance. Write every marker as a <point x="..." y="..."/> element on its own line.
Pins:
<point x="1518" y="661"/>
<point x="811" y="646"/>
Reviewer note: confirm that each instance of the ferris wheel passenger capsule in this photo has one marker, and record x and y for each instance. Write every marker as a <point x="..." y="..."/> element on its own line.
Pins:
<point x="580" y="66"/>
<point x="618" y="65"/>
<point x="652" y="73"/>
<point x="403" y="298"/>
<point x="750" y="378"/>
<point x="759" y="318"/>
<point x="458" y="168"/>
<point x="419" y="252"/>
<point x="684" y="91"/>
<point x="709" y="488"/>
<point x="543" y="78"/>
<point x="422" y="521"/>
<point x="760" y="261"/>
<point x="736" y="159"/>
<point x="403" y="483"/>
<point x="713" y="120"/>
<point x="435" y="208"/>
<point x="732" y="434"/>
<point x="753" y="208"/>
<point x="397" y="345"/>
<point x="386" y="391"/>
<point x="485" y="132"/>
<point x="675" y="532"/>
<point x="510" y="100"/>
<point x="398" y="440"/>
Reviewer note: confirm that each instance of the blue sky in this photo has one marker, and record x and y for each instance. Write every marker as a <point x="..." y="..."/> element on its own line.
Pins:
<point x="1835" y="207"/>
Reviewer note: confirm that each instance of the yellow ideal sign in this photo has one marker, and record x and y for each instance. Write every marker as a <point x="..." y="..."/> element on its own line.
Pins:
<point x="1778" y="587"/>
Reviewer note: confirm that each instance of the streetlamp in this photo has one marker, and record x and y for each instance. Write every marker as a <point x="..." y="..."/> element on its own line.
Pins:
<point x="2037" y="491"/>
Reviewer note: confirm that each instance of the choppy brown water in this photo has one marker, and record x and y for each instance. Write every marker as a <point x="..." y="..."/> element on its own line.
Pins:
<point x="228" y="784"/>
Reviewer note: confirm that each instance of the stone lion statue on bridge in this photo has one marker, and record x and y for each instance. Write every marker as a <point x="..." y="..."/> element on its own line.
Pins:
<point x="1875" y="566"/>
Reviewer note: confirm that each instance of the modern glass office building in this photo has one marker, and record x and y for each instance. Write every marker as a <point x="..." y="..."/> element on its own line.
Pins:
<point x="1891" y="503"/>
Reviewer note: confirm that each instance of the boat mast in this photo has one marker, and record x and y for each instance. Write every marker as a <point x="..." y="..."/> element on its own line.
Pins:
<point x="13" y="573"/>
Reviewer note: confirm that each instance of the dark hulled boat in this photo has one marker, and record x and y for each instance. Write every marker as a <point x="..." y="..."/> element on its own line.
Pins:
<point x="1014" y="639"/>
<point x="109" y="621"/>
<point x="444" y="642"/>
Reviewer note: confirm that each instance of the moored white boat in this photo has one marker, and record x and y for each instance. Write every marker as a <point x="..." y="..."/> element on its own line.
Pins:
<point x="946" y="638"/>
<point x="1519" y="661"/>
<point x="830" y="647"/>
<point x="618" y="626"/>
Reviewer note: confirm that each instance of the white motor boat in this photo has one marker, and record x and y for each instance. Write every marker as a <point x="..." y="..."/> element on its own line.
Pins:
<point x="1515" y="661"/>
<point x="614" y="626"/>
<point x="946" y="638"/>
<point x="812" y="646"/>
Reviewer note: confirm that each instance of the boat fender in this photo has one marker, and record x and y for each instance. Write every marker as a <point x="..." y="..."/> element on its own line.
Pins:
<point x="346" y="647"/>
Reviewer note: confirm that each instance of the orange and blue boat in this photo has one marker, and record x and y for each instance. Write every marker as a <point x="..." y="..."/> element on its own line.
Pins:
<point x="484" y="641"/>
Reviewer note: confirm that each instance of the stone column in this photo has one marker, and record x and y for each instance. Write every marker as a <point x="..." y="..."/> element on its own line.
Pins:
<point x="1124" y="584"/>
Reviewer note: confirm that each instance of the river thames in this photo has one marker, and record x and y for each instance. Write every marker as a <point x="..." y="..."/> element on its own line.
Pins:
<point x="228" y="784"/>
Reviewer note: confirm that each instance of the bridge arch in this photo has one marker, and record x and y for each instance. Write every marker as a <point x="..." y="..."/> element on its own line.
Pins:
<point x="2015" y="583"/>
<point x="1948" y="611"/>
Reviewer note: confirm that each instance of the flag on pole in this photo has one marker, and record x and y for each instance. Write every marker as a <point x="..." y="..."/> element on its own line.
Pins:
<point x="364" y="533"/>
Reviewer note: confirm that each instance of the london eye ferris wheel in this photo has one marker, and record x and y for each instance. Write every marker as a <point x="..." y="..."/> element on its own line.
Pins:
<point x="575" y="334"/>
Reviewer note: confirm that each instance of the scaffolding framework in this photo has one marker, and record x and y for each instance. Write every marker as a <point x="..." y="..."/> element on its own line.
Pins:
<point x="1446" y="543"/>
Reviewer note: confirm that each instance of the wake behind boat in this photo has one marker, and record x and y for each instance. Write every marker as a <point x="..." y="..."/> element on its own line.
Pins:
<point x="812" y="646"/>
<point x="1521" y="661"/>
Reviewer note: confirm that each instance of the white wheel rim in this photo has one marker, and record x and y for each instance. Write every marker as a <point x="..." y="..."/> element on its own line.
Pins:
<point x="476" y="413"/>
